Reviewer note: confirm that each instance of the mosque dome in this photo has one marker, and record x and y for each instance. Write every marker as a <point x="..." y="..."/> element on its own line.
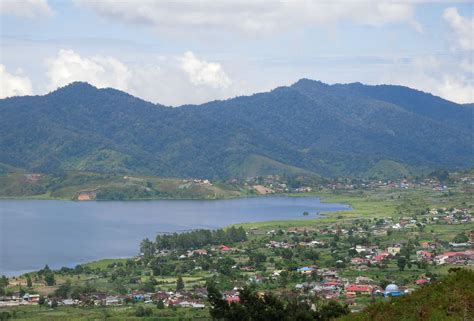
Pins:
<point x="392" y="288"/>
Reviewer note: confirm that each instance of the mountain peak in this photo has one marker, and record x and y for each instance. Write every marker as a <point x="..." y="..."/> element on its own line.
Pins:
<point x="309" y="82"/>
<point x="79" y="85"/>
<point x="75" y="87"/>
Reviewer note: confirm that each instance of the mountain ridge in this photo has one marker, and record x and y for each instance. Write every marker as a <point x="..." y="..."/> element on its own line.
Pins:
<point x="308" y="127"/>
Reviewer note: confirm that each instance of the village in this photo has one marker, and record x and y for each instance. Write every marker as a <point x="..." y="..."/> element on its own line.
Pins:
<point x="356" y="258"/>
<point x="351" y="275"/>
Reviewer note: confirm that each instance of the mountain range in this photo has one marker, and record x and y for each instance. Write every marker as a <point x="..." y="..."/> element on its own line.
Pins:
<point x="306" y="128"/>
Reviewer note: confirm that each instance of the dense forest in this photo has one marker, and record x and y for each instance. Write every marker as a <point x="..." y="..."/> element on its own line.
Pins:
<point x="308" y="127"/>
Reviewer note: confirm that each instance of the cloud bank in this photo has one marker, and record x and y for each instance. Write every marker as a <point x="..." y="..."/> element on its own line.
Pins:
<point x="25" y="8"/>
<point x="171" y="80"/>
<point x="13" y="85"/>
<point x="99" y="71"/>
<point x="201" y="72"/>
<point x="252" y="16"/>
<point x="462" y="27"/>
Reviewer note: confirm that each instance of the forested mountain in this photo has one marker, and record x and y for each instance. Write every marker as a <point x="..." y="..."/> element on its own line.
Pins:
<point x="309" y="127"/>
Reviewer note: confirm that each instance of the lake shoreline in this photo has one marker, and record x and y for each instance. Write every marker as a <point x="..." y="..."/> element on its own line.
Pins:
<point x="92" y="230"/>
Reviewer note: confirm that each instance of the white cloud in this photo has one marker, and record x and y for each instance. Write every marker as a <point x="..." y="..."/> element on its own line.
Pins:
<point x="201" y="72"/>
<point x="25" y="8"/>
<point x="99" y="71"/>
<point x="252" y="16"/>
<point x="440" y="76"/>
<point x="13" y="85"/>
<point x="462" y="27"/>
<point x="169" y="80"/>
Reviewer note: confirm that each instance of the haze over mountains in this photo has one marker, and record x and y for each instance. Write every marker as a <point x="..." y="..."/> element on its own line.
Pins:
<point x="308" y="127"/>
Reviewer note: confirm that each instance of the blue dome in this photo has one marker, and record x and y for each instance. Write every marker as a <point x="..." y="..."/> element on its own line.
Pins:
<point x="392" y="288"/>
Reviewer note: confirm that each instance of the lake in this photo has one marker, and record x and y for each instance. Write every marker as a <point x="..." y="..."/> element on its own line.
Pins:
<point x="66" y="233"/>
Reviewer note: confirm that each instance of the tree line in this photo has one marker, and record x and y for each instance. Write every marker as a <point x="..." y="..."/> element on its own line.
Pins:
<point x="193" y="240"/>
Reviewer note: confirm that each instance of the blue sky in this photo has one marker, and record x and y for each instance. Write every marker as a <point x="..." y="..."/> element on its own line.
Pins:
<point x="176" y="52"/>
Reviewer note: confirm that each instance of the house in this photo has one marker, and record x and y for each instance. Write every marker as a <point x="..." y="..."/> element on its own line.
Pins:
<point x="32" y="298"/>
<point x="364" y="280"/>
<point x="425" y="244"/>
<point x="424" y="255"/>
<point x="224" y="248"/>
<point x="393" y="250"/>
<point x="69" y="302"/>
<point x="452" y="257"/>
<point x="353" y="289"/>
<point x="113" y="300"/>
<point x="422" y="281"/>
<point x="185" y="304"/>
<point x="232" y="299"/>
<point x="359" y="261"/>
<point x="328" y="274"/>
<point x="380" y="257"/>
<point x="200" y="252"/>
<point x="256" y="279"/>
<point x="306" y="270"/>
<point x="198" y="305"/>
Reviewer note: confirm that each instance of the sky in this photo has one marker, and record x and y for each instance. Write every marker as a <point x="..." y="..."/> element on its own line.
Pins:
<point x="193" y="51"/>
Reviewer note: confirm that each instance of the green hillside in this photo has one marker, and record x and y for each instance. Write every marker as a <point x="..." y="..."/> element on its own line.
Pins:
<point x="309" y="127"/>
<point x="103" y="186"/>
<point x="451" y="298"/>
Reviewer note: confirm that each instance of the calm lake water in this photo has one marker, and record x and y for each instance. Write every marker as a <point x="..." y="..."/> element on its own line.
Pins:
<point x="66" y="233"/>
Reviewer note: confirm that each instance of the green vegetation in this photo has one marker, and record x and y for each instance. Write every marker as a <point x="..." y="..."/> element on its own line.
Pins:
<point x="308" y="127"/>
<point x="87" y="185"/>
<point x="452" y="298"/>
<point x="252" y="307"/>
<point x="127" y="313"/>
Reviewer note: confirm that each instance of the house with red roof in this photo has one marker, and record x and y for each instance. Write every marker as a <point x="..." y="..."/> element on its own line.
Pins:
<point x="379" y="257"/>
<point x="451" y="257"/>
<point x="424" y="255"/>
<point x="224" y="248"/>
<point x="232" y="299"/>
<point x="422" y="281"/>
<point x="354" y="289"/>
<point x="359" y="261"/>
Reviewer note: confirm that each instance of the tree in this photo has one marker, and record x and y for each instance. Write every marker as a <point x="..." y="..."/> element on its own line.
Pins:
<point x="63" y="290"/>
<point x="160" y="304"/>
<point x="28" y="281"/>
<point x="147" y="248"/>
<point x="54" y="304"/>
<point x="142" y="311"/>
<point x="179" y="284"/>
<point x="4" y="282"/>
<point x="257" y="258"/>
<point x="401" y="263"/>
<point x="224" y="265"/>
<point x="460" y="238"/>
<point x="49" y="278"/>
<point x="149" y="286"/>
<point x="253" y="306"/>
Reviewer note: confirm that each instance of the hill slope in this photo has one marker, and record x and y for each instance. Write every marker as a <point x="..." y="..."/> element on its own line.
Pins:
<point x="309" y="127"/>
<point x="452" y="298"/>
